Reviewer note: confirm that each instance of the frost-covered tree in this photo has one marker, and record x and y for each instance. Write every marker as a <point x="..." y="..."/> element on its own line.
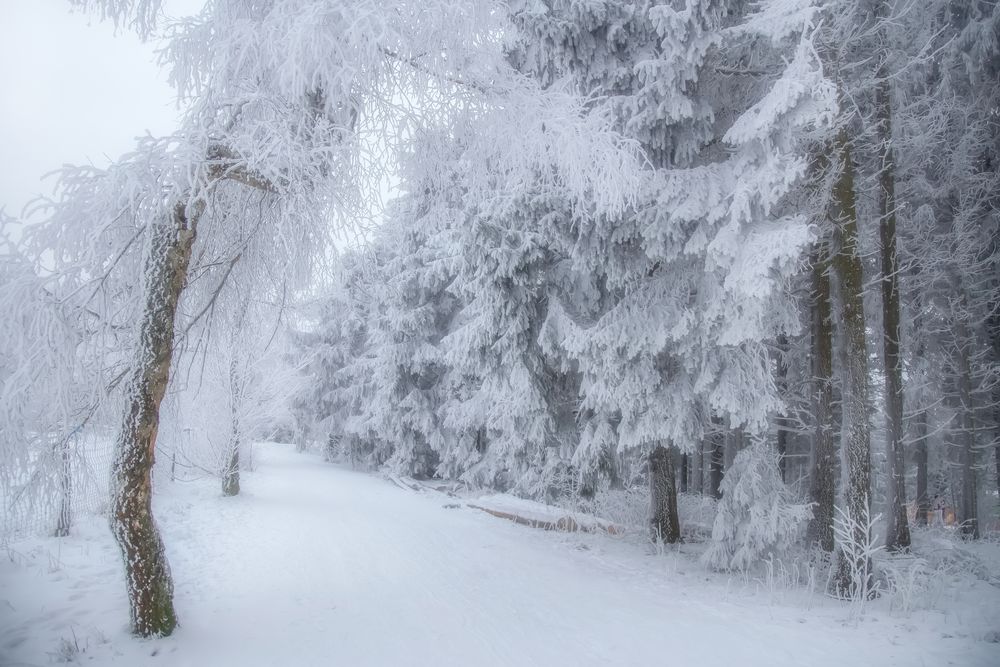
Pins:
<point x="720" y="98"/>
<point x="757" y="516"/>
<point x="60" y="371"/>
<point x="330" y="332"/>
<point x="949" y="143"/>
<point x="394" y="391"/>
<point x="280" y="94"/>
<point x="516" y="391"/>
<point x="901" y="69"/>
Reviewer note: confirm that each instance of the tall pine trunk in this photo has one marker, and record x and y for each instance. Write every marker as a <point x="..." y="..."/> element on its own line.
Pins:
<point x="685" y="470"/>
<point x="897" y="536"/>
<point x="996" y="435"/>
<point x="969" y="511"/>
<point x="665" y="525"/>
<point x="150" y="588"/>
<point x="823" y="482"/>
<point x="920" y="446"/>
<point x="698" y="469"/>
<point x="847" y="268"/>
<point x="920" y="456"/>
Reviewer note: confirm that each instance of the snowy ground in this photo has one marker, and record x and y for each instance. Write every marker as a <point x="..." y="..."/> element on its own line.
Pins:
<point x="316" y="565"/>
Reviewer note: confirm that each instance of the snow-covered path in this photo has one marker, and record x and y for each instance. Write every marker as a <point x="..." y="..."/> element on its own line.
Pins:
<point x="316" y="565"/>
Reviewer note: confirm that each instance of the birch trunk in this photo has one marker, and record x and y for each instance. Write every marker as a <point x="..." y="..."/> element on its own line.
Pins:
<point x="231" y="474"/>
<point x="150" y="588"/>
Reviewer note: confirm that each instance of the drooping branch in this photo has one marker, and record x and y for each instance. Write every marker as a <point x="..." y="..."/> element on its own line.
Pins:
<point x="224" y="164"/>
<point x="420" y="67"/>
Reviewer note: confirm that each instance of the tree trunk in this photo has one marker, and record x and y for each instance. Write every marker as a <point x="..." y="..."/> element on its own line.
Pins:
<point x="716" y="463"/>
<point x="920" y="454"/>
<point x="734" y="443"/>
<point x="897" y="536"/>
<point x="967" y="436"/>
<point x="847" y="268"/>
<point x="698" y="469"/>
<point x="65" y="489"/>
<point x="150" y="588"/>
<point x="685" y="467"/>
<point x="663" y="496"/>
<point x="782" y="424"/>
<point x="231" y="474"/>
<point x="996" y="435"/>
<point x="823" y="482"/>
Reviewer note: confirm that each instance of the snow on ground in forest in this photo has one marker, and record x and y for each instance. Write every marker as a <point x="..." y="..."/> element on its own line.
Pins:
<point x="317" y="565"/>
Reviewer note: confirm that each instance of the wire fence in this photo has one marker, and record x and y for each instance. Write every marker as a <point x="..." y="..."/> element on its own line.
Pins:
<point x="44" y="491"/>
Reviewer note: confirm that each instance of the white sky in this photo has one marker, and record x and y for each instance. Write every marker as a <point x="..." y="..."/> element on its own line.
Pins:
<point x="72" y="92"/>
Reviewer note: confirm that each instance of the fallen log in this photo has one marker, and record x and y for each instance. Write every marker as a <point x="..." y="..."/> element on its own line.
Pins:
<point x="566" y="524"/>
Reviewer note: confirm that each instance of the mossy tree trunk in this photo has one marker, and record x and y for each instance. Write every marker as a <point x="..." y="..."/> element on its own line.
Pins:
<point x="150" y="588"/>
<point x="847" y="268"/>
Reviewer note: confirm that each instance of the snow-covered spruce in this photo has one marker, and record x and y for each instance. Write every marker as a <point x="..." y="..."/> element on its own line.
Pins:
<point x="757" y="516"/>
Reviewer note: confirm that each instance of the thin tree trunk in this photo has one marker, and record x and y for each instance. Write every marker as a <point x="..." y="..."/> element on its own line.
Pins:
<point x="685" y="467"/>
<point x="847" y="268"/>
<point x="897" y="537"/>
<point x="65" y="490"/>
<point x="698" y="472"/>
<point x="150" y="588"/>
<point x="782" y="423"/>
<point x="920" y="454"/>
<point x="716" y="463"/>
<point x="665" y="525"/>
<point x="967" y="436"/>
<point x="996" y="434"/>
<point x="231" y="474"/>
<point x="734" y="443"/>
<point x="823" y="482"/>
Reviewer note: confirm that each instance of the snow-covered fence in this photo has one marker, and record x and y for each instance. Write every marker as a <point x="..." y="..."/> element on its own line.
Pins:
<point x="42" y="493"/>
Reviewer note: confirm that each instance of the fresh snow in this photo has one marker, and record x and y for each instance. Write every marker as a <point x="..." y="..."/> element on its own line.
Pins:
<point x="315" y="564"/>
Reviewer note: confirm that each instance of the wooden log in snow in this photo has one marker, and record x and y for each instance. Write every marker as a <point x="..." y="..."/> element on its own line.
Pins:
<point x="566" y="524"/>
